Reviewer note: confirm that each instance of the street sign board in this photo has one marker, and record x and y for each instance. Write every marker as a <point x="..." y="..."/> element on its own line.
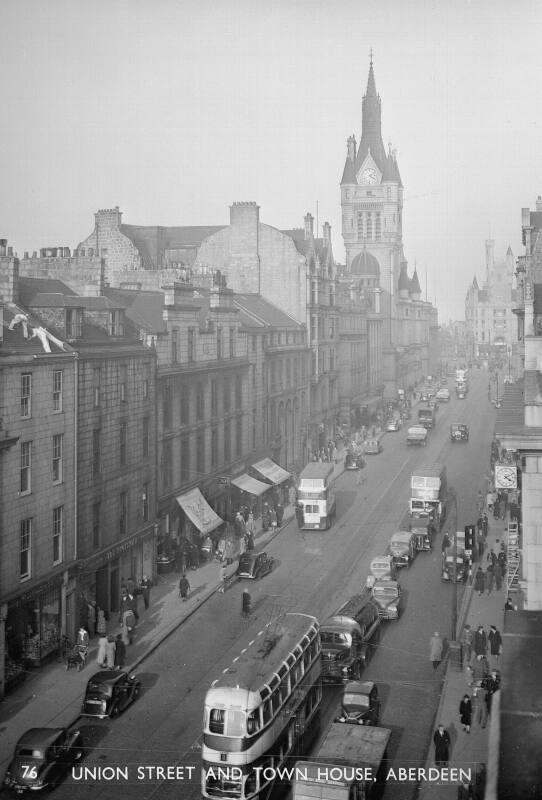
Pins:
<point x="223" y="481"/>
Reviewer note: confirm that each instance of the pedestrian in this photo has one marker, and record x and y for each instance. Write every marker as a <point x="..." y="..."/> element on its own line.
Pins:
<point x="101" y="623"/>
<point x="279" y="511"/>
<point x="102" y="648"/>
<point x="446" y="543"/>
<point x="466" y="644"/>
<point x="495" y="646"/>
<point x="299" y="515"/>
<point x="435" y="649"/>
<point x="292" y="495"/>
<point x="441" y="740"/>
<point x="273" y="517"/>
<point x="501" y="560"/>
<point x="239" y="525"/>
<point x="245" y="512"/>
<point x="128" y="626"/>
<point x="250" y="542"/>
<point x="509" y="605"/>
<point x="145" y="587"/>
<point x="480" y="705"/>
<point x="490" y="578"/>
<point x="91" y="618"/>
<point x="130" y="586"/>
<point x="498" y="576"/>
<point x="480" y="670"/>
<point x="120" y="652"/>
<point x="251" y="525"/>
<point x="110" y="652"/>
<point x="223" y="576"/>
<point x="481" y="543"/>
<point x="480" y="642"/>
<point x="485" y="525"/>
<point x="492" y="684"/>
<point x="179" y="559"/>
<point x="184" y="587"/>
<point x="479" y="581"/>
<point x="492" y="557"/>
<point x="246" y="603"/>
<point x="465" y="712"/>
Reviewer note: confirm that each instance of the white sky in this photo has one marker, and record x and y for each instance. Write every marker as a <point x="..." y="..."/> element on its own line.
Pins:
<point x="174" y="109"/>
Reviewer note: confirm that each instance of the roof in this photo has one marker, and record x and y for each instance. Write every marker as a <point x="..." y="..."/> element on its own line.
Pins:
<point x="41" y="737"/>
<point x="144" y="308"/>
<point x="415" y="283"/>
<point x="30" y="287"/>
<point x="153" y="240"/>
<point x="349" y="175"/>
<point x="340" y="622"/>
<point x="14" y="342"/>
<point x="404" y="280"/>
<point x="371" y="129"/>
<point x="106" y="676"/>
<point x="316" y="469"/>
<point x="365" y="264"/>
<point x="258" y="312"/>
<point x="511" y="414"/>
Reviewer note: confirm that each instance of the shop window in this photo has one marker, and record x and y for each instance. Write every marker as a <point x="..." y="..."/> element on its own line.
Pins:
<point x="58" y="444"/>
<point x="25" y="485"/>
<point x="25" y="549"/>
<point x="26" y="395"/>
<point x="58" y="531"/>
<point x="57" y="390"/>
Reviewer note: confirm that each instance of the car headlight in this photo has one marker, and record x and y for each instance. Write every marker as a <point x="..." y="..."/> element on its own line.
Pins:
<point x="361" y="722"/>
<point x="345" y="669"/>
<point x="342" y="719"/>
<point x="392" y="608"/>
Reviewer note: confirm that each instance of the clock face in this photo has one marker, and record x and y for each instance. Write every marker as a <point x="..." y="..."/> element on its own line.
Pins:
<point x="505" y="477"/>
<point x="369" y="175"/>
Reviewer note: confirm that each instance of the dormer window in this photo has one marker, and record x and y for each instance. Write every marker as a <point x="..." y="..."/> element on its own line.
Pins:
<point x="74" y="323"/>
<point x="116" y="323"/>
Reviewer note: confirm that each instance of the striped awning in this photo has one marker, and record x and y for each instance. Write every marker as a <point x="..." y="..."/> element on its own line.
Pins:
<point x="199" y="511"/>
<point x="250" y="485"/>
<point x="271" y="471"/>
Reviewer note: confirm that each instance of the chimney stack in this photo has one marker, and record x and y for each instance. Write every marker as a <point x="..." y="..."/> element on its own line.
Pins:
<point x="326" y="232"/>
<point x="9" y="274"/>
<point x="539" y="203"/>
<point x="309" y="229"/>
<point x="3" y="245"/>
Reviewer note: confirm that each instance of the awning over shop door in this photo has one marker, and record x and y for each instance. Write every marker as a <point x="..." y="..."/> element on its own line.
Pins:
<point x="271" y="471"/>
<point x="199" y="511"/>
<point x="250" y="485"/>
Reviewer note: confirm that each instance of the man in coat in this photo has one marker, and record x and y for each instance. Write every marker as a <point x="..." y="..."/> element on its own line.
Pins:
<point x="480" y="642"/>
<point x="466" y="644"/>
<point x="495" y="646"/>
<point x="435" y="649"/>
<point x="441" y="740"/>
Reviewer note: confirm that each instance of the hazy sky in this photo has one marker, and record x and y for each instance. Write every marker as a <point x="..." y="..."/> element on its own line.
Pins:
<point x="174" y="109"/>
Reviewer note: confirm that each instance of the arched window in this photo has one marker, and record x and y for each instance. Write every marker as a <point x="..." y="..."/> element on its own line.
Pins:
<point x="369" y="226"/>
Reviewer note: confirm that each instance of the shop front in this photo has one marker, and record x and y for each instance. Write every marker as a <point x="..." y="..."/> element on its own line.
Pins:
<point x="248" y="492"/>
<point x="200" y="522"/>
<point x="103" y="574"/>
<point x="275" y="476"/>
<point x="32" y="629"/>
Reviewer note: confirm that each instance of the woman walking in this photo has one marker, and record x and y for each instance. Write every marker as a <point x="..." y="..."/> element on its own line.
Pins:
<point x="120" y="652"/>
<point x="102" y="648"/>
<point x="479" y="581"/>
<point x="465" y="712"/>
<point x="435" y="649"/>
<point x="110" y="652"/>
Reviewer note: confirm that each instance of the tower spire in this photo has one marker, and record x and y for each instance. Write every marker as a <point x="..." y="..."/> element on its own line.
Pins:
<point x="371" y="126"/>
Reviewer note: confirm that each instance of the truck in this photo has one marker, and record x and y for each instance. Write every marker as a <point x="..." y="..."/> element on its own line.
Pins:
<point x="417" y="434"/>
<point x="427" y="417"/>
<point x="316" y="495"/>
<point x="428" y="495"/>
<point x="346" y="639"/>
<point x="351" y="762"/>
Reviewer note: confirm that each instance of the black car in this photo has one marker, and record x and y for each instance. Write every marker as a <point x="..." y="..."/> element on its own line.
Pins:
<point x="42" y="758"/>
<point x="360" y="704"/>
<point x="109" y="692"/>
<point x="254" y="565"/>
<point x="459" y="432"/>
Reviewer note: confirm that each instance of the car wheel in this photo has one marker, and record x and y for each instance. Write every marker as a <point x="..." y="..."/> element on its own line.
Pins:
<point x="114" y="712"/>
<point x="137" y="690"/>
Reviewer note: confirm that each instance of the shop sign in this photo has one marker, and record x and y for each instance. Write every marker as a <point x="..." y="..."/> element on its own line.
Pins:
<point x="116" y="550"/>
<point x="52" y="583"/>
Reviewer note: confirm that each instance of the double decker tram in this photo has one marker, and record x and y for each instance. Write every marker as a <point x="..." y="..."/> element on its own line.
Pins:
<point x="259" y="713"/>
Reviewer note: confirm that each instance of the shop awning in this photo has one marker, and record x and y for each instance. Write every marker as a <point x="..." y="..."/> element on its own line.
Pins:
<point x="199" y="511"/>
<point x="250" y="485"/>
<point x="271" y="471"/>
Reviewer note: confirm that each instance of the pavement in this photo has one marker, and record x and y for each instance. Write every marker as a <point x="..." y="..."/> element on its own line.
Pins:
<point x="468" y="750"/>
<point x="51" y="696"/>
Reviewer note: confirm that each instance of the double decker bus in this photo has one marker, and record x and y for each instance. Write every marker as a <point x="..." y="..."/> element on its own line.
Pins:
<point x="259" y="713"/>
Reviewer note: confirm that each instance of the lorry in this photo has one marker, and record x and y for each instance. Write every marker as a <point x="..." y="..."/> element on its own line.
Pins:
<point x="351" y="762"/>
<point x="427" y="417"/>
<point x="346" y="639"/>
<point x="316" y="495"/>
<point x="455" y="560"/>
<point x="417" y="434"/>
<point x="428" y="495"/>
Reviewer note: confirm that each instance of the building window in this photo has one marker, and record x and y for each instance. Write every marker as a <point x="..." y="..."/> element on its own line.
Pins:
<point x="360" y="226"/>
<point x="238" y="392"/>
<point x="314" y="293"/>
<point x="25" y="549"/>
<point x="214" y="402"/>
<point x="184" y="410"/>
<point x="96" y="452"/>
<point x="227" y="443"/>
<point x="314" y="327"/>
<point x="191" y="344"/>
<point x="238" y="437"/>
<point x="58" y="530"/>
<point x="145" y="503"/>
<point x="58" y="442"/>
<point x="116" y="323"/>
<point x="123" y="513"/>
<point x="200" y="402"/>
<point x="57" y="390"/>
<point x="174" y="345"/>
<point x="226" y="400"/>
<point x="166" y="464"/>
<point x="185" y="459"/>
<point x="369" y="226"/>
<point x="218" y="341"/>
<point x="200" y="455"/>
<point x="123" y="383"/>
<point x="378" y="226"/>
<point x="73" y="323"/>
<point x="232" y="342"/>
<point x="122" y="444"/>
<point x="146" y="435"/>
<point x="146" y="382"/>
<point x="214" y="448"/>
<point x="166" y="405"/>
<point x="96" y="383"/>
<point x="96" y="525"/>
<point x="26" y="468"/>
<point x="253" y="428"/>
<point x="26" y="394"/>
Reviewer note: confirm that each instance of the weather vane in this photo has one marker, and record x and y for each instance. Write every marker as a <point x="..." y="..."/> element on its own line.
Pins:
<point x="371" y="56"/>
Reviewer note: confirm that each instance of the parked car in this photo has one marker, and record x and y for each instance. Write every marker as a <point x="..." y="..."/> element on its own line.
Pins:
<point x="360" y="704"/>
<point x="382" y="568"/>
<point x="402" y="548"/>
<point x="42" y="757"/>
<point x="432" y="403"/>
<point x="373" y="445"/>
<point x="387" y="596"/>
<point x="394" y="424"/>
<point x="459" y="432"/>
<point x="417" y="434"/>
<point x="109" y="692"/>
<point x="443" y="395"/>
<point x="354" y="460"/>
<point x="254" y="565"/>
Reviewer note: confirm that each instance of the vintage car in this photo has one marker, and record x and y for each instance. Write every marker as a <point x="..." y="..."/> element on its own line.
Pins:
<point x="417" y="434"/>
<point x="459" y="432"/>
<point x="433" y="403"/>
<point x="383" y="568"/>
<point x="360" y="704"/>
<point x="402" y="548"/>
<point x="254" y="565"/>
<point x="42" y="757"/>
<point x="443" y="395"/>
<point x="108" y="693"/>
<point x="387" y="595"/>
<point x="394" y="425"/>
<point x="458" y="574"/>
<point x="423" y="527"/>
<point x="460" y="395"/>
<point x="354" y="459"/>
<point x="373" y="445"/>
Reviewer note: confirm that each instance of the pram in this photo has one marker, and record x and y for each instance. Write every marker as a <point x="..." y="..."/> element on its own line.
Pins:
<point x="76" y="657"/>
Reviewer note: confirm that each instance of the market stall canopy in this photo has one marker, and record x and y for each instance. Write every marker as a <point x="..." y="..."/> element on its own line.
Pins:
<point x="271" y="471"/>
<point x="250" y="485"/>
<point x="199" y="511"/>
